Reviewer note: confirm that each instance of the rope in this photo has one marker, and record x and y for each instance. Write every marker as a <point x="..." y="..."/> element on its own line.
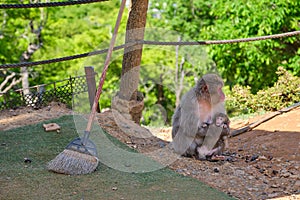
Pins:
<point x="47" y="4"/>
<point x="209" y="42"/>
<point x="43" y="62"/>
<point x="288" y="34"/>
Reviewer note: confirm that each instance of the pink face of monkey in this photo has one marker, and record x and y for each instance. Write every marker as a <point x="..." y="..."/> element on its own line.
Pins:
<point x="220" y="120"/>
<point x="216" y="94"/>
<point x="221" y="94"/>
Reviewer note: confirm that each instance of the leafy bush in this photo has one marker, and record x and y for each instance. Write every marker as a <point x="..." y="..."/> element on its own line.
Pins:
<point x="285" y="92"/>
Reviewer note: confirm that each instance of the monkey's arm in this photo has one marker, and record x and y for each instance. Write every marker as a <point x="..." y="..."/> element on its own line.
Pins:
<point x="190" y="117"/>
<point x="225" y="130"/>
<point x="176" y="121"/>
<point x="185" y="125"/>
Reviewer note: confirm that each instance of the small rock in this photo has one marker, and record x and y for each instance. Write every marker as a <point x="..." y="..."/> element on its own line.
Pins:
<point x="294" y="177"/>
<point x="161" y="144"/>
<point x="262" y="158"/>
<point x="254" y="157"/>
<point x="229" y="159"/>
<point x="27" y="160"/>
<point x="264" y="147"/>
<point x="285" y="175"/>
<point x="114" y="188"/>
<point x="274" y="186"/>
<point x="274" y="172"/>
<point x="272" y="195"/>
<point x="266" y="181"/>
<point x="216" y="169"/>
<point x="270" y="157"/>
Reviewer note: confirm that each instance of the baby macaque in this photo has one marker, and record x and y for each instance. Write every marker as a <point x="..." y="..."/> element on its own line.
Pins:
<point x="215" y="137"/>
<point x="223" y="121"/>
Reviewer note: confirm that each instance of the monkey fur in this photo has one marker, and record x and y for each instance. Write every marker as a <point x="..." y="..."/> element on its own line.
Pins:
<point x="196" y="108"/>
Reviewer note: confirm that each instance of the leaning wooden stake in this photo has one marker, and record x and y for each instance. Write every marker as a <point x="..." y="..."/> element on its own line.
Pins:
<point x="255" y="124"/>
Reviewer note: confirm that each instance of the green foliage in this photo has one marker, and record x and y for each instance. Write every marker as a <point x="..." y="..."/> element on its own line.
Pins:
<point x="158" y="72"/>
<point x="75" y="30"/>
<point x="253" y="63"/>
<point x="15" y="32"/>
<point x="185" y="17"/>
<point x="83" y="28"/>
<point x="67" y="31"/>
<point x="283" y="93"/>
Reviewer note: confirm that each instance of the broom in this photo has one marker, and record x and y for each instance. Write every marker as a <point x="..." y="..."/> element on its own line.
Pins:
<point x="80" y="156"/>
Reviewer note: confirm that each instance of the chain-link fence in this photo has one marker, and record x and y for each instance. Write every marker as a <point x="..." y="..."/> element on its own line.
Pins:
<point x="41" y="95"/>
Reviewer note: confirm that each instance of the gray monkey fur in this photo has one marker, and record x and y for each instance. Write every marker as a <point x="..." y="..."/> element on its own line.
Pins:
<point x="188" y="119"/>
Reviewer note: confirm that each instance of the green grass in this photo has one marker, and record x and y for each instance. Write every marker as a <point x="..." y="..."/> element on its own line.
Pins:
<point x="20" y="180"/>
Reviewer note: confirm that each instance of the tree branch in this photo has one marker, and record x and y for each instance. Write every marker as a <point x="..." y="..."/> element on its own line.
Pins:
<point x="6" y="80"/>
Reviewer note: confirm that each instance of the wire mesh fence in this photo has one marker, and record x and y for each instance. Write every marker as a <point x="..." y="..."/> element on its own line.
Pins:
<point x="40" y="95"/>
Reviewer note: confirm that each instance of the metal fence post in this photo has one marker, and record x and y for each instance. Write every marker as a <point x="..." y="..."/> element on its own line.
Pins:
<point x="91" y="83"/>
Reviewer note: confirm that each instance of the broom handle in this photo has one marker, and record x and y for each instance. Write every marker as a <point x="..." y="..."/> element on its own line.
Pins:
<point x="103" y="75"/>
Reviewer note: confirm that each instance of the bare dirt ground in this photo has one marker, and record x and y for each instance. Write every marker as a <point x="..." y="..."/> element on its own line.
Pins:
<point x="264" y="164"/>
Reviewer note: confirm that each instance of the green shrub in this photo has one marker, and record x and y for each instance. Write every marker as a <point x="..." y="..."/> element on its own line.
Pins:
<point x="285" y="92"/>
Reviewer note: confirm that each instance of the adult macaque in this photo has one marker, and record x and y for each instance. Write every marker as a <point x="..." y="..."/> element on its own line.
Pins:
<point x="196" y="108"/>
<point x="215" y="138"/>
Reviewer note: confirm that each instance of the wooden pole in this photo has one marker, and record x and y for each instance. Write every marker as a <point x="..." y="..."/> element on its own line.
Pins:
<point x="91" y="83"/>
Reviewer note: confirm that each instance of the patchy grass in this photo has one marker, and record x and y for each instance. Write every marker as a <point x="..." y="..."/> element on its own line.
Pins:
<point x="20" y="180"/>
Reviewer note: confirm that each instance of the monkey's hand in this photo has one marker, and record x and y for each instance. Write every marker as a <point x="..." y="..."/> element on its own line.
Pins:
<point x="204" y="125"/>
<point x="202" y="130"/>
<point x="225" y="130"/>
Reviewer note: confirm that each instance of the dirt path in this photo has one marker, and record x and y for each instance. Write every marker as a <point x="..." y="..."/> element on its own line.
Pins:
<point x="266" y="160"/>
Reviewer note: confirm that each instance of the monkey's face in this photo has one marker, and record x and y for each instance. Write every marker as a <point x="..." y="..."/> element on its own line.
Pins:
<point x="220" y="120"/>
<point x="216" y="94"/>
<point x="211" y="86"/>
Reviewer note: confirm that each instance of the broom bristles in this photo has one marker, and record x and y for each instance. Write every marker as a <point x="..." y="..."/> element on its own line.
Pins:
<point x="73" y="163"/>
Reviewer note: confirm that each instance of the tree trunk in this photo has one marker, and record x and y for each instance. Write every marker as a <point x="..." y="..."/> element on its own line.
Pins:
<point x="32" y="48"/>
<point x="25" y="80"/>
<point x="131" y="63"/>
<point x="132" y="55"/>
